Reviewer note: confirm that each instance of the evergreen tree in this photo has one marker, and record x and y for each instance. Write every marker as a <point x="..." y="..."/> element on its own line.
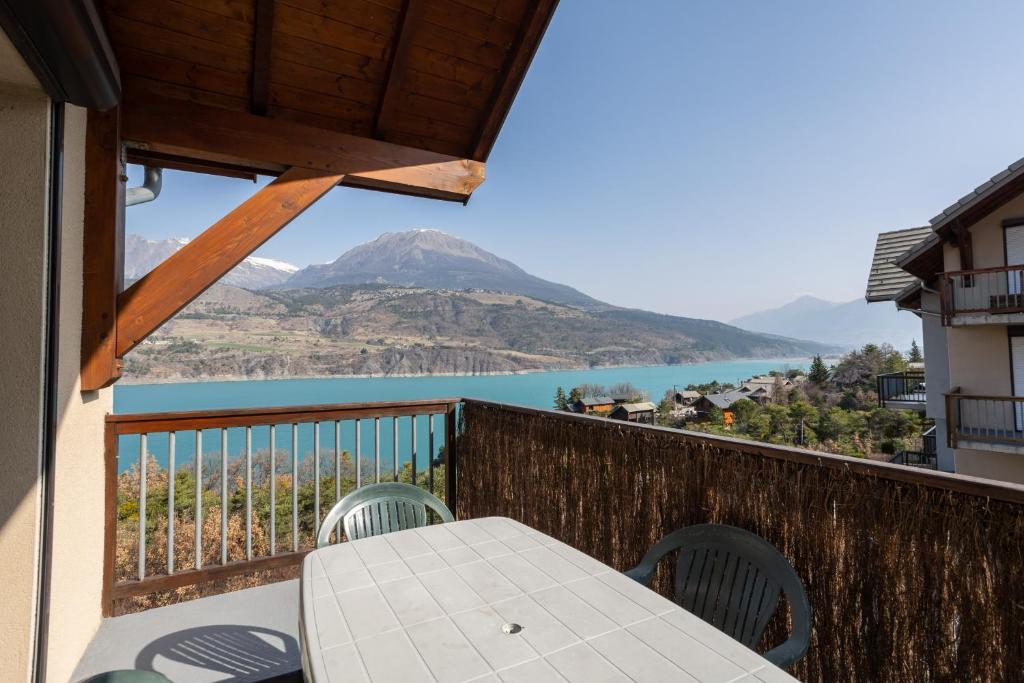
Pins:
<point x="819" y="372"/>
<point x="575" y="395"/>
<point x="561" y="401"/>
<point x="915" y="355"/>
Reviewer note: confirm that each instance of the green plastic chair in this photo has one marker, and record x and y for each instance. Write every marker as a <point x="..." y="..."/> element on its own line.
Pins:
<point x="380" y="509"/>
<point x="732" y="579"/>
<point x="128" y="676"/>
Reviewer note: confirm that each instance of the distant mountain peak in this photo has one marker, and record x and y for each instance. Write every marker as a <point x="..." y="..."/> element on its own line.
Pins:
<point x="142" y="255"/>
<point x="849" y="324"/>
<point x="430" y="258"/>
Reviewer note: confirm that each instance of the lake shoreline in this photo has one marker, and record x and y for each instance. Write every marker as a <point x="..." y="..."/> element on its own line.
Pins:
<point x="506" y="373"/>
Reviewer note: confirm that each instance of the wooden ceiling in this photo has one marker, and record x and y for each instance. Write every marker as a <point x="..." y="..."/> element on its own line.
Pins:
<point x="434" y="75"/>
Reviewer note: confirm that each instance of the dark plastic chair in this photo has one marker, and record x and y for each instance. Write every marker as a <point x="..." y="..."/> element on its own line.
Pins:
<point x="380" y="509"/>
<point x="732" y="579"/>
<point x="128" y="676"/>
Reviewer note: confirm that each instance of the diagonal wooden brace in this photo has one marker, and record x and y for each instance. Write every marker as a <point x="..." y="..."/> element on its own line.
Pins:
<point x="172" y="285"/>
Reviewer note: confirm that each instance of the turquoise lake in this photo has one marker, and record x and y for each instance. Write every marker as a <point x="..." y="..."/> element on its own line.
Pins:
<point x="532" y="389"/>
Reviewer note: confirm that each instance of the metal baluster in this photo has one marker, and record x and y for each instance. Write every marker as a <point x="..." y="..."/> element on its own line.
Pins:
<point x="316" y="478"/>
<point x="412" y="421"/>
<point x="376" y="447"/>
<point x="248" y="493"/>
<point x="170" y="502"/>
<point x="337" y="471"/>
<point x="394" y="445"/>
<point x="273" y="493"/>
<point x="295" y="487"/>
<point x="430" y="454"/>
<point x="199" y="499"/>
<point x="223" y="495"/>
<point x="142" y="507"/>
<point x="359" y="457"/>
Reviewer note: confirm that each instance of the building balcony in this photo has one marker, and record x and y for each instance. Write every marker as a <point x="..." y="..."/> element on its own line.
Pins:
<point x="200" y="569"/>
<point x="983" y="296"/>
<point x="988" y="423"/>
<point x="902" y="390"/>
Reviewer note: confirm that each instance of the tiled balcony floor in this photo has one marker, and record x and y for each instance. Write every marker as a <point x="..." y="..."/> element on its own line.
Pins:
<point x="247" y="635"/>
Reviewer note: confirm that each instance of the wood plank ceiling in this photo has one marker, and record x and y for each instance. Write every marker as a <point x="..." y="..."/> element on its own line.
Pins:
<point x="436" y="75"/>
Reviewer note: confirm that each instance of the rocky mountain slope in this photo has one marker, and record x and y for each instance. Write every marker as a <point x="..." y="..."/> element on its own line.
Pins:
<point x="849" y="325"/>
<point x="382" y="329"/>
<point x="434" y="260"/>
<point x="142" y="255"/>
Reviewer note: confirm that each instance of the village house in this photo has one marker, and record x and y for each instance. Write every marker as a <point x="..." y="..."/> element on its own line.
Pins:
<point x="594" y="405"/>
<point x="642" y="413"/>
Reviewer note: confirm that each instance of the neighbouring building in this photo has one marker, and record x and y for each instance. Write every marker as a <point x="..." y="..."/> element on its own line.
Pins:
<point x="722" y="401"/>
<point x="685" y="398"/>
<point x="594" y="405"/>
<point x="635" y="412"/>
<point x="963" y="276"/>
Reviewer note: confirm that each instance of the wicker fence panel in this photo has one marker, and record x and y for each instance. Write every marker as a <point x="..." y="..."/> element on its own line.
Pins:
<point x="908" y="580"/>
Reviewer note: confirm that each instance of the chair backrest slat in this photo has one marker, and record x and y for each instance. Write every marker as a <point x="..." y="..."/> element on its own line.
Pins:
<point x="380" y="509"/>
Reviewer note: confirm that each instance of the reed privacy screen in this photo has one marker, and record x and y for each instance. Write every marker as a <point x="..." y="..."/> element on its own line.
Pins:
<point x="912" y="575"/>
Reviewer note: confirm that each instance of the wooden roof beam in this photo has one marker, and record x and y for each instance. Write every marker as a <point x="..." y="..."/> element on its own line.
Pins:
<point x="407" y="24"/>
<point x="536" y="21"/>
<point x="186" y="274"/>
<point x="266" y="145"/>
<point x="263" y="26"/>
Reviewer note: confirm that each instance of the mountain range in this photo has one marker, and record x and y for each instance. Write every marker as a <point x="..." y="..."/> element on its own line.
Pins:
<point x="849" y="324"/>
<point x="419" y="302"/>
<point x="142" y="255"/>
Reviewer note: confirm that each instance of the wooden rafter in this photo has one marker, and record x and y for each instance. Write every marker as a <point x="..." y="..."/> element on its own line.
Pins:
<point x="263" y="26"/>
<point x="267" y="145"/>
<point x="173" y="284"/>
<point x="103" y="254"/>
<point x="521" y="54"/>
<point x="397" y="65"/>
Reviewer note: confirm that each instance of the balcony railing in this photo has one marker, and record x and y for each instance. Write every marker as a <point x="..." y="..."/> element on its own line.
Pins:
<point x="202" y="502"/>
<point x="992" y="420"/>
<point x="983" y="291"/>
<point x="912" y="574"/>
<point x="901" y="390"/>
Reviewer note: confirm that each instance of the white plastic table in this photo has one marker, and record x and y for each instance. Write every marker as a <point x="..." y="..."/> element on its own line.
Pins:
<point x="438" y="604"/>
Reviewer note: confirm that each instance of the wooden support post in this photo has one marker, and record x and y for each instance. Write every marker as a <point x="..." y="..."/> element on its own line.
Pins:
<point x="103" y="249"/>
<point x="172" y="285"/>
<point x="451" y="460"/>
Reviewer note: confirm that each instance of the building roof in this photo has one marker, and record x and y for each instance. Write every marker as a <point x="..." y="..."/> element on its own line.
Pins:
<point x="886" y="279"/>
<point x="688" y="393"/>
<point x="925" y="259"/>
<point x="725" y="399"/>
<point x="643" y="407"/>
<point x="597" y="400"/>
<point x="978" y="196"/>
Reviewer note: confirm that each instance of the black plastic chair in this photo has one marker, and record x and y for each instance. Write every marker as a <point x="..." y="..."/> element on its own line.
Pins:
<point x="732" y="579"/>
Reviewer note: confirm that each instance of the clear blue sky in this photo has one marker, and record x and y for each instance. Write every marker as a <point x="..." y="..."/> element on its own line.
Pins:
<point x="705" y="158"/>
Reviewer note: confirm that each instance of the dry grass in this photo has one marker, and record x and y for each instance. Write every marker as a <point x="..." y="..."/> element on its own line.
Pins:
<point x="907" y="582"/>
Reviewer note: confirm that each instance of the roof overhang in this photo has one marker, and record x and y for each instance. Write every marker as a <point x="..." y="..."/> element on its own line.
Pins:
<point x="404" y="96"/>
<point x="886" y="277"/>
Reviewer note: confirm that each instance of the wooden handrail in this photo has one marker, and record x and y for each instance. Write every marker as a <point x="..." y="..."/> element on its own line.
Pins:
<point x="139" y="423"/>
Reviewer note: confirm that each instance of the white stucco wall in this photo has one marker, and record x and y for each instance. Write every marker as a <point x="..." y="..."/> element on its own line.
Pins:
<point x="77" y="564"/>
<point x="24" y="137"/>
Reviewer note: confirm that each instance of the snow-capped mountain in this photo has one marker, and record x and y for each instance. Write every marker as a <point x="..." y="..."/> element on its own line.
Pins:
<point x="142" y="255"/>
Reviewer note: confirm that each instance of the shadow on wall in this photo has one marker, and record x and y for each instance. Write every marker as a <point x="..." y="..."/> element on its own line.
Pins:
<point x="232" y="653"/>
